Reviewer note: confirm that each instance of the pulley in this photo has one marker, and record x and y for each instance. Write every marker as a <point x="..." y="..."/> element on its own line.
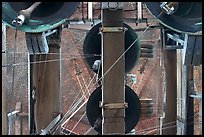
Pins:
<point x="92" y="47"/>
<point x="182" y="17"/>
<point x="36" y="16"/>
<point x="132" y="112"/>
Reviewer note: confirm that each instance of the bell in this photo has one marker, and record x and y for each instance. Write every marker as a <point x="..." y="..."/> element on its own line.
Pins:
<point x="182" y="17"/>
<point x="92" y="48"/>
<point x="45" y="16"/>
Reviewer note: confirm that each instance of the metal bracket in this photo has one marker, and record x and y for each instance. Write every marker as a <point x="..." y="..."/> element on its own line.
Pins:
<point x="44" y="36"/>
<point x="34" y="94"/>
<point x="166" y="8"/>
<point x="51" y="125"/>
<point x="196" y="95"/>
<point x="96" y="65"/>
<point x="131" y="78"/>
<point x="192" y="93"/>
<point x="13" y="114"/>
<point x="175" y="38"/>
<point x="112" y="5"/>
<point x="178" y="39"/>
<point x="37" y="43"/>
<point x="112" y="29"/>
<point x="113" y="105"/>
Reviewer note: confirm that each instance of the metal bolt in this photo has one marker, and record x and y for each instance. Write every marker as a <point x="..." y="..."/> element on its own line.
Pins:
<point x="165" y="6"/>
<point x="19" y="20"/>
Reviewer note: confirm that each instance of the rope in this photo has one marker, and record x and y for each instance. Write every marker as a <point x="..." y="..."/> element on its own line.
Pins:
<point x="77" y="122"/>
<point x="72" y="107"/>
<point x="166" y="124"/>
<point x="46" y="61"/>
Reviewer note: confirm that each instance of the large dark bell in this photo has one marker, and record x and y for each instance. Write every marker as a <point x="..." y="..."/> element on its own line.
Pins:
<point x="92" y="47"/>
<point x="132" y="113"/>
<point x="46" y="16"/>
<point x="187" y="17"/>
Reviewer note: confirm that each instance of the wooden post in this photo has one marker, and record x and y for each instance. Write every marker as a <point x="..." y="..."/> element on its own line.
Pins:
<point x="170" y="118"/>
<point x="181" y="93"/>
<point x="189" y="101"/>
<point x="171" y="93"/>
<point x="31" y="97"/>
<point x="45" y="83"/>
<point x="18" y="121"/>
<point x="113" y="82"/>
<point x="139" y="10"/>
<point x="4" y="97"/>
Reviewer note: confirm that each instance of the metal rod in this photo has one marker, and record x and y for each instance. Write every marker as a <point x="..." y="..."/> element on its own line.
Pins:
<point x="90" y="11"/>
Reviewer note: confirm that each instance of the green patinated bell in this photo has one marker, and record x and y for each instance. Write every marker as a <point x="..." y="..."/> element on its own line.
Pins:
<point x="47" y="15"/>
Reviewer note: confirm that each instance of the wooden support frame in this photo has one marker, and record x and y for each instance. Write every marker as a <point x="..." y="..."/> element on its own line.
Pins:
<point x="45" y="81"/>
<point x="171" y="88"/>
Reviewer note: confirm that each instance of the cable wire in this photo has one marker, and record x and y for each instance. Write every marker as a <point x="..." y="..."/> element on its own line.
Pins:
<point x="164" y="125"/>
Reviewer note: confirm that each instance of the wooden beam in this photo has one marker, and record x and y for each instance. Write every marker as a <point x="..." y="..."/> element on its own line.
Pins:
<point x="181" y="93"/>
<point x="170" y="63"/>
<point x="141" y="26"/>
<point x="4" y="96"/>
<point x="46" y="83"/>
<point x="171" y="93"/>
<point x="113" y="81"/>
<point x="18" y="121"/>
<point x="189" y="101"/>
<point x="139" y="10"/>
<point x="90" y="11"/>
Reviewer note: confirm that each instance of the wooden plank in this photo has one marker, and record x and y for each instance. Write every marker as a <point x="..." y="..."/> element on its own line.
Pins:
<point x="189" y="101"/>
<point x="4" y="71"/>
<point x="18" y="121"/>
<point x="113" y="82"/>
<point x="171" y="90"/>
<point x="46" y="82"/>
<point x="83" y="27"/>
<point x="139" y="27"/>
<point x="188" y="50"/>
<point x="179" y="90"/>
<point x="197" y="56"/>
<point x="139" y="8"/>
